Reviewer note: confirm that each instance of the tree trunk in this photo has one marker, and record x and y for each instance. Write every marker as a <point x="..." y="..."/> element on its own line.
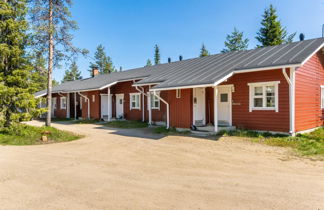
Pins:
<point x="50" y="64"/>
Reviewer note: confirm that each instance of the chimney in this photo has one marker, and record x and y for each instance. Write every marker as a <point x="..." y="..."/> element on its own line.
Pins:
<point x="301" y="37"/>
<point x="169" y="60"/>
<point x="95" y="71"/>
<point x="180" y="58"/>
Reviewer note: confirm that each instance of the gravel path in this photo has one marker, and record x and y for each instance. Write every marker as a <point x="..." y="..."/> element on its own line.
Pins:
<point x="132" y="169"/>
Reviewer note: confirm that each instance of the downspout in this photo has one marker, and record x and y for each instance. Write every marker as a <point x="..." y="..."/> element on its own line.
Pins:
<point x="168" y="108"/>
<point x="88" y="103"/>
<point x="144" y="94"/>
<point x="291" y="83"/>
<point x="75" y="107"/>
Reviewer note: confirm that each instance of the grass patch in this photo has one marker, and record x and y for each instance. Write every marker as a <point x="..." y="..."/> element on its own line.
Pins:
<point x="91" y="121"/>
<point x="21" y="134"/>
<point x="170" y="131"/>
<point x="126" y="124"/>
<point x="305" y="144"/>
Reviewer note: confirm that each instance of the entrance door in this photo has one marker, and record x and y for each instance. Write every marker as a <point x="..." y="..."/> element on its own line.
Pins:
<point x="53" y="107"/>
<point x="199" y="106"/>
<point x="119" y="106"/>
<point x="224" y="105"/>
<point x="104" y="106"/>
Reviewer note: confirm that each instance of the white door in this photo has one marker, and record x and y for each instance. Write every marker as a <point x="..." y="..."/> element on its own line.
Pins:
<point x="53" y="106"/>
<point x="104" y="106"/>
<point x="119" y="106"/>
<point x="224" y="105"/>
<point x="199" y="106"/>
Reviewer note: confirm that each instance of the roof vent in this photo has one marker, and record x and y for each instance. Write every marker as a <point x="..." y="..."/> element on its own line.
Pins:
<point x="301" y="37"/>
<point x="180" y="58"/>
<point x="169" y="60"/>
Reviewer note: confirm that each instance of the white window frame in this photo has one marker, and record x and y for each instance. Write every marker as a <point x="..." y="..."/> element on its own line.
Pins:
<point x="93" y="98"/>
<point x="131" y="101"/>
<point x="322" y="96"/>
<point x="154" y="98"/>
<point x="61" y="102"/>
<point x="178" y="93"/>
<point x="263" y="85"/>
<point x="54" y="102"/>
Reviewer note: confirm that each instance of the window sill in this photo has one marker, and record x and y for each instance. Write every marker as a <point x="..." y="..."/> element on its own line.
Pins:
<point x="263" y="109"/>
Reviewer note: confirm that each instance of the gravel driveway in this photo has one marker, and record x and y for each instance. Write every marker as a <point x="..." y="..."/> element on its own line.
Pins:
<point x="132" y="169"/>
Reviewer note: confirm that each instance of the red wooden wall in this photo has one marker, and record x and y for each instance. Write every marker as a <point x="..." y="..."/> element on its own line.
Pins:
<point x="266" y="120"/>
<point x="309" y="78"/>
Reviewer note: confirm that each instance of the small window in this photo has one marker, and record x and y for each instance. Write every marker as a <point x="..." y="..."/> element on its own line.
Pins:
<point x="93" y="98"/>
<point x="63" y="103"/>
<point x="178" y="93"/>
<point x="135" y="101"/>
<point x="322" y="96"/>
<point x="120" y="101"/>
<point x="155" y="101"/>
<point x="264" y="96"/>
<point x="223" y="97"/>
<point x="54" y="103"/>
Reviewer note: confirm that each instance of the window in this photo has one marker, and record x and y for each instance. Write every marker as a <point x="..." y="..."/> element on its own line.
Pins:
<point x="178" y="93"/>
<point x="93" y="98"/>
<point x="63" y="102"/>
<point x="322" y="96"/>
<point x="54" y="103"/>
<point x="155" y="101"/>
<point x="223" y="97"/>
<point x="135" y="101"/>
<point x="264" y="96"/>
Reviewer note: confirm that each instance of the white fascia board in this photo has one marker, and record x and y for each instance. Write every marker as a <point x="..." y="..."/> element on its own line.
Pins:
<point x="313" y="53"/>
<point x="108" y="85"/>
<point x="238" y="71"/>
<point x="146" y="84"/>
<point x="181" y="87"/>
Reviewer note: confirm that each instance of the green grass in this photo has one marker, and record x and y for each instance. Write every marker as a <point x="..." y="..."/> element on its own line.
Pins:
<point x="21" y="134"/>
<point x="305" y="144"/>
<point x="91" y="121"/>
<point x="126" y="124"/>
<point x="170" y="131"/>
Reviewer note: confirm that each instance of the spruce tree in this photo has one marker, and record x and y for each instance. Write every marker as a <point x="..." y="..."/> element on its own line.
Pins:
<point x="72" y="73"/>
<point x="235" y="42"/>
<point x="271" y="32"/>
<point x="52" y="26"/>
<point x="102" y="61"/>
<point x="157" y="56"/>
<point x="148" y="62"/>
<point x="16" y="88"/>
<point x="203" y="51"/>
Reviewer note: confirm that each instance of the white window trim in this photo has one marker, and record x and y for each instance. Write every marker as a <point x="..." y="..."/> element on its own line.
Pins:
<point x="178" y="93"/>
<point x="148" y="98"/>
<point x="93" y="98"/>
<point x="139" y="101"/>
<point x="61" y="103"/>
<point x="55" y="102"/>
<point x="251" y="95"/>
<point x="322" y="96"/>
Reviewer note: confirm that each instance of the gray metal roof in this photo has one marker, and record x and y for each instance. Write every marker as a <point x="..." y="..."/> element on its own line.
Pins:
<point x="210" y="69"/>
<point x="202" y="71"/>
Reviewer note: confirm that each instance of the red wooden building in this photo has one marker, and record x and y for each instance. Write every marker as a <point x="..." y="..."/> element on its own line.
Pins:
<point x="278" y="88"/>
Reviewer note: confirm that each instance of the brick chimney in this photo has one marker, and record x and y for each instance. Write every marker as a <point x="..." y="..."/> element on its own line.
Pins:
<point x="95" y="71"/>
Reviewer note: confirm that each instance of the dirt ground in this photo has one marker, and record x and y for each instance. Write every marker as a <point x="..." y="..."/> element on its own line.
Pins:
<point x="132" y="169"/>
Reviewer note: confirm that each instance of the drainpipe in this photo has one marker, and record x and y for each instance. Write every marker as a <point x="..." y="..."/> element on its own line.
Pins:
<point x="291" y="83"/>
<point x="168" y="108"/>
<point x="108" y="107"/>
<point x="215" y="109"/>
<point x="144" y="94"/>
<point x="86" y="98"/>
<point x="75" y="107"/>
<point x="149" y="105"/>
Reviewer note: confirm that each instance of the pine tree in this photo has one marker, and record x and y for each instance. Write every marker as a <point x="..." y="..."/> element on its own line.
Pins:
<point x="272" y="33"/>
<point x="52" y="26"/>
<point x="39" y="73"/>
<point x="157" y="56"/>
<point x="235" y="42"/>
<point x="203" y="51"/>
<point x="102" y="61"/>
<point x="148" y="62"/>
<point x="72" y="73"/>
<point x="16" y="88"/>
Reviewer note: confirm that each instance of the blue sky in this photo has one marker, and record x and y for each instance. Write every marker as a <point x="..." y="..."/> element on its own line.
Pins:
<point x="129" y="29"/>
